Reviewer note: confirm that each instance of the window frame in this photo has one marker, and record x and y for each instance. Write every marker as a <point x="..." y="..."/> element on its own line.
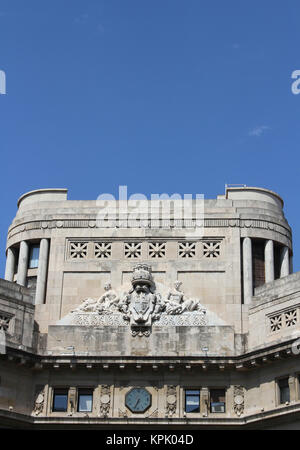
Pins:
<point x="80" y="392"/>
<point x="54" y="394"/>
<point x="217" y="388"/>
<point x="279" y="402"/>
<point x="186" y="390"/>
<point x="31" y="261"/>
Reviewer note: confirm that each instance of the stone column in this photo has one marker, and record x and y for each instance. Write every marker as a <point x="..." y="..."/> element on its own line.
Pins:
<point x="285" y="262"/>
<point x="247" y="270"/>
<point x="291" y="264"/>
<point x="293" y="390"/>
<point x="42" y="272"/>
<point x="269" y="261"/>
<point x="204" y="401"/>
<point x="23" y="263"/>
<point x="10" y="265"/>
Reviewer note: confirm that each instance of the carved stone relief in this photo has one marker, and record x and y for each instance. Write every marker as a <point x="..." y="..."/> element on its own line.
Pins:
<point x="105" y="401"/>
<point x="142" y="304"/>
<point x="39" y="400"/>
<point x="238" y="400"/>
<point x="171" y="401"/>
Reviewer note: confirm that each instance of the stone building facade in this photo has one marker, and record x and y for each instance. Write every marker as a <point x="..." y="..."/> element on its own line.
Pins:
<point x="146" y="325"/>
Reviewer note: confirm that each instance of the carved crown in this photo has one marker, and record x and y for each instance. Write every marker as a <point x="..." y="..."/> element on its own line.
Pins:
<point x="141" y="274"/>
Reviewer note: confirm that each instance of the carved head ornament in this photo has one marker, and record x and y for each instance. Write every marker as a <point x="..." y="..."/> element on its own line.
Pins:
<point x="142" y="275"/>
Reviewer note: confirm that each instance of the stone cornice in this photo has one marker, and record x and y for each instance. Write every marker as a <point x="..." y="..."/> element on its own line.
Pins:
<point x="245" y="362"/>
<point x="187" y="224"/>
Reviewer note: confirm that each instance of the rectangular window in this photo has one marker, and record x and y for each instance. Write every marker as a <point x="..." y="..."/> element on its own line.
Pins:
<point x="192" y="401"/>
<point x="217" y="400"/>
<point x="258" y="262"/>
<point x="34" y="256"/>
<point x="60" y="400"/>
<point x="85" y="400"/>
<point x="284" y="390"/>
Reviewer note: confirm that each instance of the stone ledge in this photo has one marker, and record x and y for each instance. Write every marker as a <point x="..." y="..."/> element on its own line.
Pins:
<point x="276" y="416"/>
<point x="14" y="292"/>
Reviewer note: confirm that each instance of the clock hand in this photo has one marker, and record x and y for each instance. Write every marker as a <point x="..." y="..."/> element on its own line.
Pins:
<point x="137" y="403"/>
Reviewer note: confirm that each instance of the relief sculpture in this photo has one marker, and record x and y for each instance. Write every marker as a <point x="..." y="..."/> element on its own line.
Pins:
<point x="142" y="305"/>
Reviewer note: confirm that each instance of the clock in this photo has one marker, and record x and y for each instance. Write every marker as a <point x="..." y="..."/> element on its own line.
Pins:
<point x="138" y="400"/>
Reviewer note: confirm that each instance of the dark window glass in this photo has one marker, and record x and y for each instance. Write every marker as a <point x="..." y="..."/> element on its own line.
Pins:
<point x="258" y="256"/>
<point x="34" y="256"/>
<point x="85" y="400"/>
<point x="277" y="260"/>
<point x="192" y="401"/>
<point x="217" y="400"/>
<point x="284" y="390"/>
<point x="60" y="400"/>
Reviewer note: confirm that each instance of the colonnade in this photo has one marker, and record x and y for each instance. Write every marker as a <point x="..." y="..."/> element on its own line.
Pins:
<point x="22" y="269"/>
<point x="269" y="265"/>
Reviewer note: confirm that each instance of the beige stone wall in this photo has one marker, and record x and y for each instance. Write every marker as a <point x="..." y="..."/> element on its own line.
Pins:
<point x="216" y="281"/>
<point x="19" y="389"/>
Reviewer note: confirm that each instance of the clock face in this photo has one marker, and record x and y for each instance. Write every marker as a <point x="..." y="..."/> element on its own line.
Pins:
<point x="138" y="400"/>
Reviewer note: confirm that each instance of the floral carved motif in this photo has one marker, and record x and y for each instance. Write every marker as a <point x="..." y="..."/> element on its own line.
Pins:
<point x="105" y="400"/>
<point x="78" y="250"/>
<point x="102" y="249"/>
<point x="238" y="400"/>
<point x="187" y="249"/>
<point x="39" y="400"/>
<point x="133" y="249"/>
<point x="284" y="319"/>
<point x="171" y="401"/>
<point x="211" y="249"/>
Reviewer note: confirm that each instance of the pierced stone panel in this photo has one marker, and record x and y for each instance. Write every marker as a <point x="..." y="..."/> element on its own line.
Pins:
<point x="133" y="249"/>
<point x="211" y="249"/>
<point x="284" y="319"/>
<point x="4" y="321"/>
<point x="291" y="318"/>
<point x="78" y="250"/>
<point x="157" y="249"/>
<point x="187" y="249"/>
<point x="276" y="322"/>
<point x="102" y="249"/>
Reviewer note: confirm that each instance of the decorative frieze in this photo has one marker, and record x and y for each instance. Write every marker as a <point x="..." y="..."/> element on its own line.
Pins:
<point x="187" y="319"/>
<point x="207" y="223"/>
<point x="78" y="250"/>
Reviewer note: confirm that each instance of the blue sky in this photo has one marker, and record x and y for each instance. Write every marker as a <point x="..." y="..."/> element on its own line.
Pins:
<point x="161" y="96"/>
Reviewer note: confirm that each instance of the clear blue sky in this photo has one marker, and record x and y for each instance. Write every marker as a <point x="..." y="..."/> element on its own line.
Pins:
<point x="162" y="96"/>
